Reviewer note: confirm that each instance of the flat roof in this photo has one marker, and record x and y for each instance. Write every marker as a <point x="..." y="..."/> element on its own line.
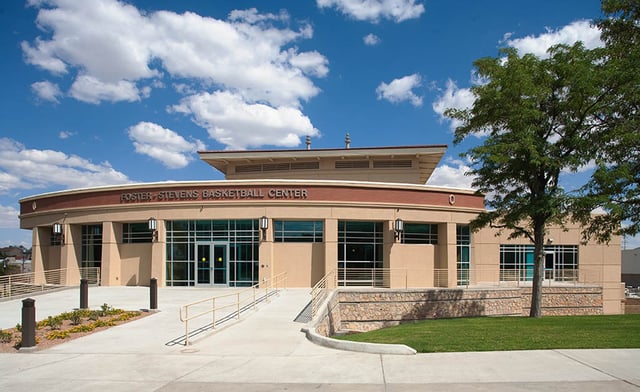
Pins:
<point x="428" y="156"/>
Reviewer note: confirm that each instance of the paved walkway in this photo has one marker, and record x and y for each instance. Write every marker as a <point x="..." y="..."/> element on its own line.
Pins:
<point x="265" y="351"/>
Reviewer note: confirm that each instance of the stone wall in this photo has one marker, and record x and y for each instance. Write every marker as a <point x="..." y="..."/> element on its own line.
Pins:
<point x="368" y="309"/>
<point x="632" y="306"/>
<point x="566" y="301"/>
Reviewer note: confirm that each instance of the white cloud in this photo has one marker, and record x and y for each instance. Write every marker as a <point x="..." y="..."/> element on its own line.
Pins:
<point x="451" y="175"/>
<point x="453" y="98"/>
<point x="22" y="168"/>
<point x="371" y="39"/>
<point x="123" y="52"/>
<point x="47" y="91"/>
<point x="239" y="125"/>
<point x="92" y="90"/>
<point x="163" y="144"/>
<point x="311" y="63"/>
<point x="65" y="134"/>
<point x="374" y="10"/>
<point x="9" y="218"/>
<point x="581" y="30"/>
<point x="400" y="90"/>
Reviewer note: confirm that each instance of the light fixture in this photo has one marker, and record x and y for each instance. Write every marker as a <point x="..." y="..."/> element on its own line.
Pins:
<point x="153" y="228"/>
<point x="398" y="228"/>
<point x="264" y="225"/>
<point x="58" y="232"/>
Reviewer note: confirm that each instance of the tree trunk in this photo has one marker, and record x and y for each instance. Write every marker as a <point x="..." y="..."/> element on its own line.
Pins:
<point x="538" y="271"/>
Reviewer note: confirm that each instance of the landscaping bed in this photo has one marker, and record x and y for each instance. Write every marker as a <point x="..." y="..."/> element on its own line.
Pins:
<point x="67" y="326"/>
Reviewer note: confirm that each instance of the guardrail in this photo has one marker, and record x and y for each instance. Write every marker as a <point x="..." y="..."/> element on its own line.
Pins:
<point x="39" y="281"/>
<point x="236" y="302"/>
<point x="320" y="291"/>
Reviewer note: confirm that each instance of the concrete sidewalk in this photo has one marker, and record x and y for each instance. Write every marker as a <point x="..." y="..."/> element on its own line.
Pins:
<point x="265" y="351"/>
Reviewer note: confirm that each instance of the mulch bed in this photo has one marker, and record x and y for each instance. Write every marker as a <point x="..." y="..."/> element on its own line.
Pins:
<point x="68" y="326"/>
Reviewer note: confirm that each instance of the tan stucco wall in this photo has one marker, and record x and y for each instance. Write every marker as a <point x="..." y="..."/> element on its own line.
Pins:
<point x="135" y="264"/>
<point x="303" y="262"/>
<point x="307" y="263"/>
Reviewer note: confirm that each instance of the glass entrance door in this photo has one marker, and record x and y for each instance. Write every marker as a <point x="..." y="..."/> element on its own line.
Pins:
<point x="549" y="265"/>
<point x="211" y="266"/>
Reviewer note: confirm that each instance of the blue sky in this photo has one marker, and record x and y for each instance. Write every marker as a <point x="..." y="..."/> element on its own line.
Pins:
<point x="100" y="92"/>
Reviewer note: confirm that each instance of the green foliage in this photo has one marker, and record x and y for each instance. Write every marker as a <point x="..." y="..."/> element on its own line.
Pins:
<point x="57" y="334"/>
<point x="510" y="333"/>
<point x="75" y="317"/>
<point x="19" y="327"/>
<point x="54" y="322"/>
<point x="5" y="336"/>
<point x="615" y="185"/>
<point x="538" y="118"/>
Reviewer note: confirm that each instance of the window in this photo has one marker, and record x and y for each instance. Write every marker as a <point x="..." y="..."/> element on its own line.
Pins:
<point x="135" y="233"/>
<point x="91" y="246"/>
<point x="359" y="253"/>
<point x="463" y="254"/>
<point x="297" y="231"/>
<point x="420" y="233"/>
<point x="241" y="237"/>
<point x="517" y="262"/>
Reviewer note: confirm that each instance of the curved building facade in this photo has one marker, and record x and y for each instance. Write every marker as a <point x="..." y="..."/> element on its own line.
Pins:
<point x="364" y="213"/>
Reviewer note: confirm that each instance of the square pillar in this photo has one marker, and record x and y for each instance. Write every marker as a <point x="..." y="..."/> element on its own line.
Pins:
<point x="330" y="248"/>
<point x="159" y="255"/>
<point x="110" y="264"/>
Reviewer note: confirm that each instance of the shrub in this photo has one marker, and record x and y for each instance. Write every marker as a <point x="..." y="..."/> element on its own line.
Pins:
<point x="75" y="318"/>
<point x="54" y="322"/>
<point x="57" y="335"/>
<point x="5" y="336"/>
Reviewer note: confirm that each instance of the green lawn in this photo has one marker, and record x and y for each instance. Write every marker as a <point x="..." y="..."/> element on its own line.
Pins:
<point x="510" y="333"/>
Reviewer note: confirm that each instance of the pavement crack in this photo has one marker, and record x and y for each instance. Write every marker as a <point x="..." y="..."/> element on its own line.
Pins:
<point x="384" y="377"/>
<point x="596" y="369"/>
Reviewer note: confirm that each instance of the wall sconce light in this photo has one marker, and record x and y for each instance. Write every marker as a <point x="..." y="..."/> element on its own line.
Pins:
<point x="58" y="232"/>
<point x="153" y="228"/>
<point x="264" y="225"/>
<point x="398" y="228"/>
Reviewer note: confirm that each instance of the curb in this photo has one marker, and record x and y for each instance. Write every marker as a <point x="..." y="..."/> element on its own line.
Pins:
<point x="371" y="348"/>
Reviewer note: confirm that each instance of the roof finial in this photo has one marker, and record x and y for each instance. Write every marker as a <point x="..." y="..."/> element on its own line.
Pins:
<point x="347" y="141"/>
<point x="308" y="142"/>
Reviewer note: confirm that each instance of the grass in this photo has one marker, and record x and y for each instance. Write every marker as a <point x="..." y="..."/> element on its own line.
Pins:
<point x="510" y="333"/>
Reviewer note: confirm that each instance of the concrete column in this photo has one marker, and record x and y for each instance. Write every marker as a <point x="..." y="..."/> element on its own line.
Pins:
<point x="110" y="269"/>
<point x="159" y="255"/>
<point x="388" y="246"/>
<point x="330" y="246"/>
<point x="37" y="257"/>
<point x="70" y="254"/>
<point x="447" y="254"/>
<point x="266" y="261"/>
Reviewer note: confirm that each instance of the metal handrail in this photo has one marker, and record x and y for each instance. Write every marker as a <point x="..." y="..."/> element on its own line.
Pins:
<point x="270" y="285"/>
<point x="39" y="281"/>
<point x="320" y="291"/>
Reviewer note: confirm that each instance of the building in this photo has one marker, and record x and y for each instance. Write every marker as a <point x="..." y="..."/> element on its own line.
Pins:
<point x="364" y="212"/>
<point x="631" y="267"/>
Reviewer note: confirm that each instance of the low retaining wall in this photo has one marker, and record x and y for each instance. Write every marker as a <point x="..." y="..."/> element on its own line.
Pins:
<point x="368" y="309"/>
<point x="632" y="306"/>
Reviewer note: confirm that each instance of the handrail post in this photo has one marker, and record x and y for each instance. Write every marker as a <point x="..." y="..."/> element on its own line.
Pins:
<point x="186" y="325"/>
<point x="238" y="299"/>
<point x="213" y="310"/>
<point x="254" y="297"/>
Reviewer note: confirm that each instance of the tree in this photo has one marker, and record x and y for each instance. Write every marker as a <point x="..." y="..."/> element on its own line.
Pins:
<point x="615" y="184"/>
<point x="537" y="118"/>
